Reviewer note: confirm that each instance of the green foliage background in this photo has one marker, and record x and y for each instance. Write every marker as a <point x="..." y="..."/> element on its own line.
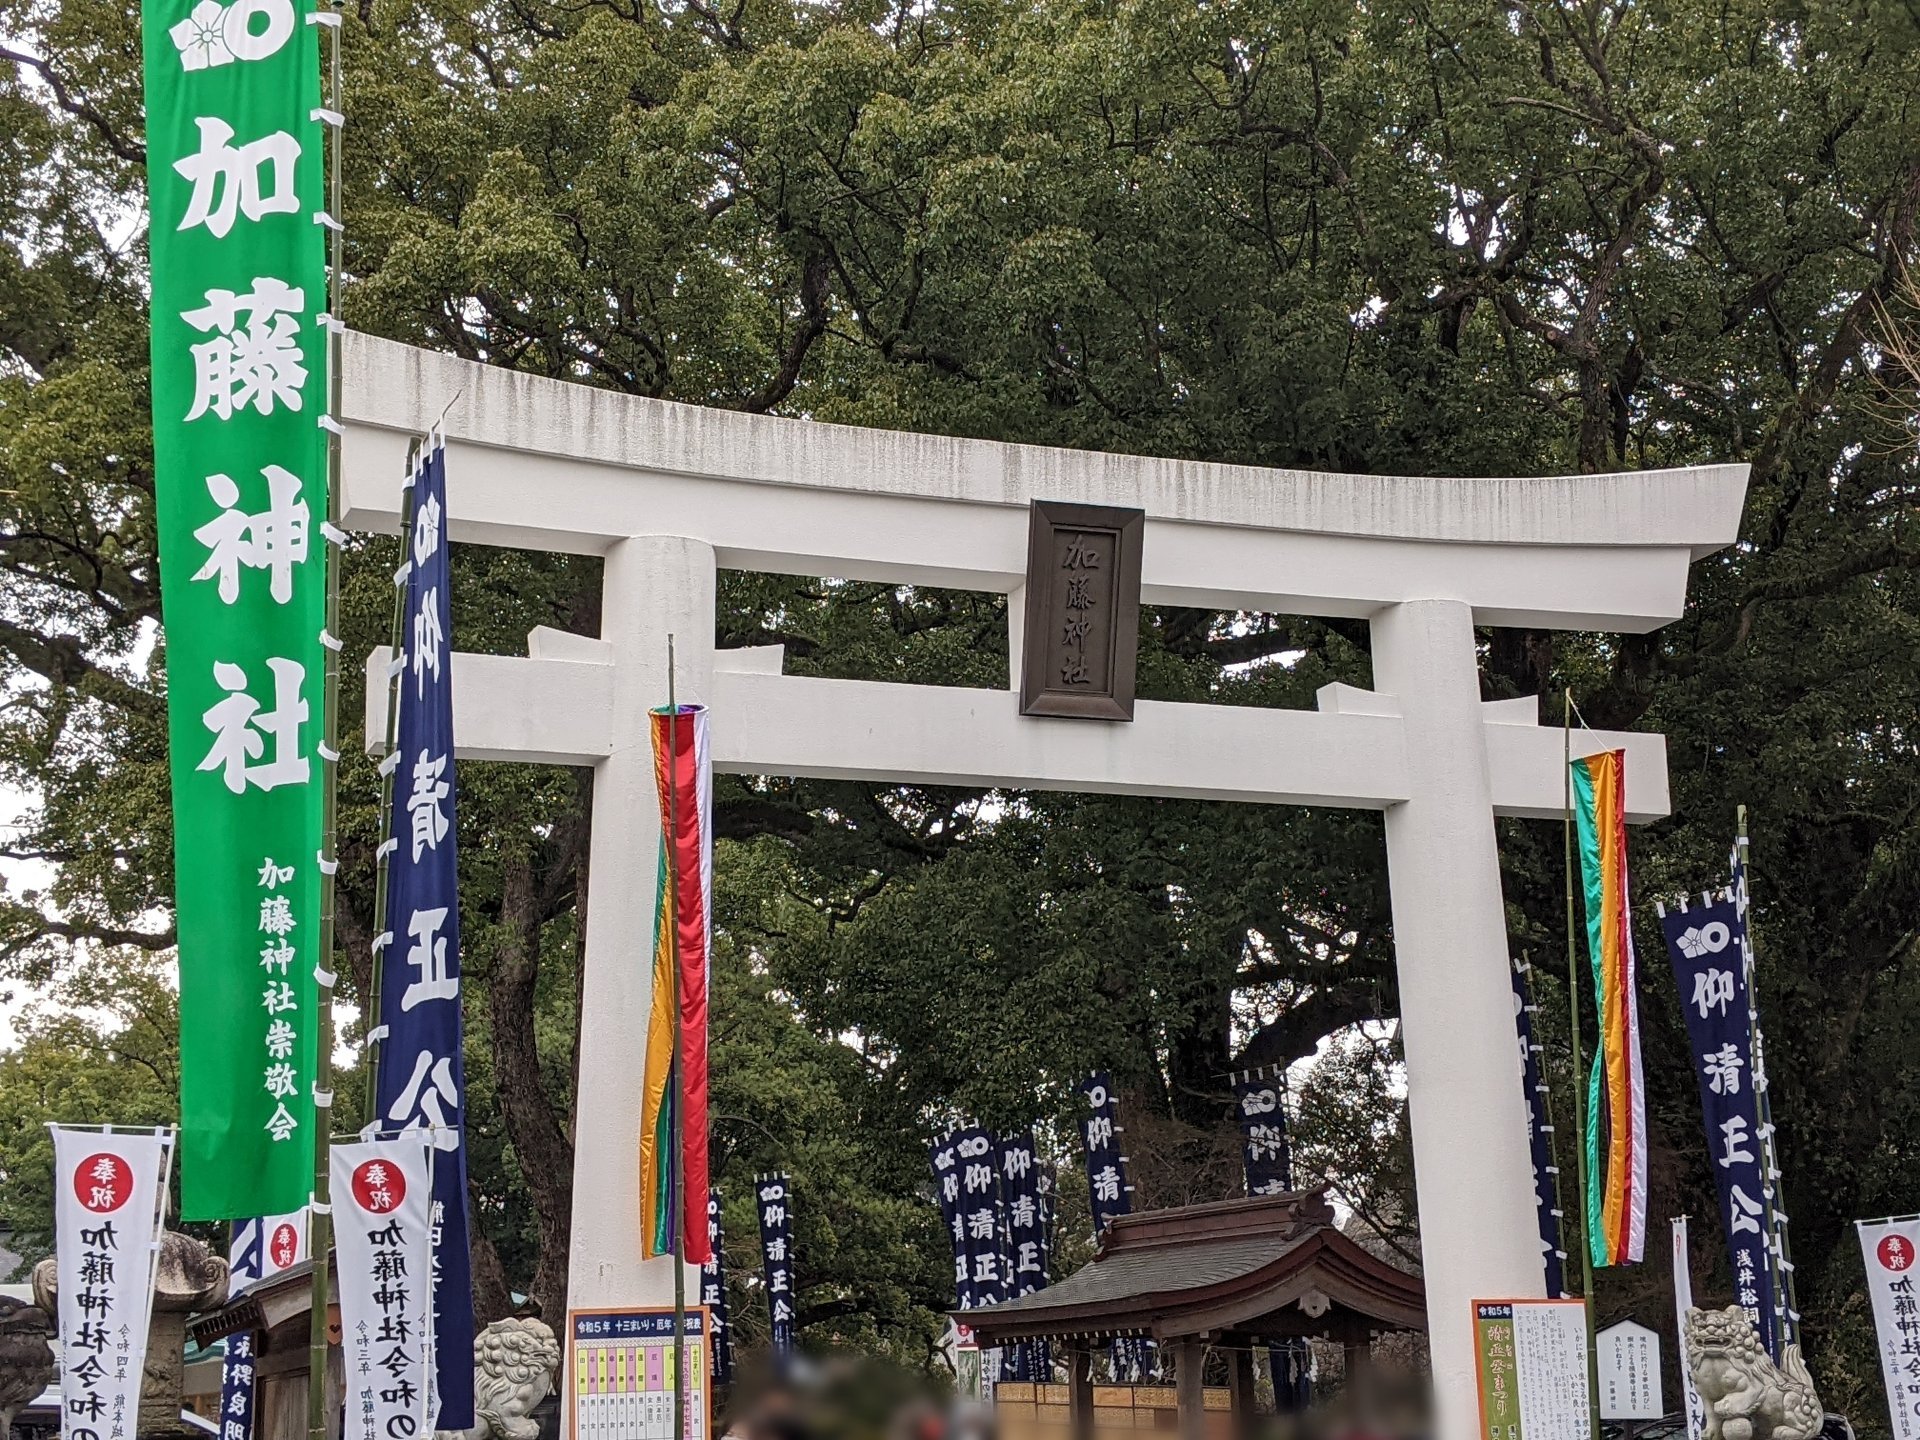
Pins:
<point x="1436" y="237"/>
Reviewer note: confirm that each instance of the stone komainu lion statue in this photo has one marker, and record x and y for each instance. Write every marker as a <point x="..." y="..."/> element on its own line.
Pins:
<point x="514" y="1363"/>
<point x="1747" y="1396"/>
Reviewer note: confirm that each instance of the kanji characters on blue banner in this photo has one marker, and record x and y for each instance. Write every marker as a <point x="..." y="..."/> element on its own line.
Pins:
<point x="1259" y="1102"/>
<point x="422" y="1078"/>
<point x="1109" y="1194"/>
<point x="1546" y="1187"/>
<point x="774" y="1197"/>
<point x="1707" y="944"/>
<point x="1023" y="1187"/>
<point x="713" y="1295"/>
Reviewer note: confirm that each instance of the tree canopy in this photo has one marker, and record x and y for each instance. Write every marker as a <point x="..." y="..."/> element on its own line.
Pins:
<point x="1437" y="238"/>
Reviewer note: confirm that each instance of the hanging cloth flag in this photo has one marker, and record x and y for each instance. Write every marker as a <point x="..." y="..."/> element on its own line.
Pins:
<point x="239" y="380"/>
<point x="1259" y="1102"/>
<point x="1889" y="1250"/>
<point x="1260" y="1105"/>
<point x="1107" y="1186"/>
<point x="1024" y="1252"/>
<point x="945" y="1156"/>
<point x="383" y="1202"/>
<point x="1546" y="1175"/>
<point x="774" y="1194"/>
<point x="1616" y="1199"/>
<point x="683" y="771"/>
<point x="422" y="1073"/>
<point x="1706" y="944"/>
<point x="108" y="1193"/>
<point x="713" y="1295"/>
<point x="258" y="1250"/>
<point x="1110" y="1195"/>
<point x="1786" y="1312"/>
<point x="1682" y="1303"/>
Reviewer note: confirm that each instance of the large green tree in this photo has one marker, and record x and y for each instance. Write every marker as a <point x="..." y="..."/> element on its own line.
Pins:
<point x="1441" y="238"/>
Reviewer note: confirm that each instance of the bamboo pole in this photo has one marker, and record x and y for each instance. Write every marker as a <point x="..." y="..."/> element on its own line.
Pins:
<point x="1779" y="1253"/>
<point x="1579" y="1111"/>
<point x="1546" y="1110"/>
<point x="319" y="1226"/>
<point x="383" y="871"/>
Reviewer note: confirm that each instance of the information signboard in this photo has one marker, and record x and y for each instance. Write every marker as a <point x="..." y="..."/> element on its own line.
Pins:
<point x="1532" y="1364"/>
<point x="1629" y="1356"/>
<point x="620" y="1372"/>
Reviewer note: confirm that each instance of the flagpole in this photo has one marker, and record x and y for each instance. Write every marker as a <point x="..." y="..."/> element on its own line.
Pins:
<point x="388" y="843"/>
<point x="1779" y="1255"/>
<point x="319" y="1226"/>
<point x="1579" y="1111"/>
<point x="676" y="1121"/>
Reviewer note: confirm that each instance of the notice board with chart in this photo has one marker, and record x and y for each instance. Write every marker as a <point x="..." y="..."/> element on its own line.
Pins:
<point x="620" y="1371"/>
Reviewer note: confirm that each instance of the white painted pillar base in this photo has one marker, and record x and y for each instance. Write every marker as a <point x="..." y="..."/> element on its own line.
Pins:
<point x="654" y="586"/>
<point x="1479" y="1235"/>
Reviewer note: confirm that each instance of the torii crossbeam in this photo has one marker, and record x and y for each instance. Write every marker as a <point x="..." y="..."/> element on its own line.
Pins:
<point x="670" y="493"/>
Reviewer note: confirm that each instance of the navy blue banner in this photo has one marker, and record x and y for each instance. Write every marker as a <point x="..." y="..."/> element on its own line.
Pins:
<point x="246" y="1263"/>
<point x="1107" y="1186"/>
<point x="237" y="1388"/>
<point x="713" y="1295"/>
<point x="1546" y="1175"/>
<point x="945" y="1156"/>
<point x="980" y="1216"/>
<point x="1110" y="1196"/>
<point x="1707" y="945"/>
<point x="422" y="1077"/>
<point x="1023" y="1185"/>
<point x="1260" y="1105"/>
<point x="775" y="1196"/>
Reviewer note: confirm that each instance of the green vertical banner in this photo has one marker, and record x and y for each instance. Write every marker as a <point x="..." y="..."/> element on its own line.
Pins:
<point x="237" y="239"/>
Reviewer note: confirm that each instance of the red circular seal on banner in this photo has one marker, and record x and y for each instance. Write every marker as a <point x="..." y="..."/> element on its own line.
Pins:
<point x="284" y="1245"/>
<point x="103" y="1182"/>
<point x="378" y="1186"/>
<point x="1895" y="1252"/>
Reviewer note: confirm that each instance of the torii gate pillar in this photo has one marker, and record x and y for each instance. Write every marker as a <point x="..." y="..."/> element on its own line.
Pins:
<point x="654" y="586"/>
<point x="668" y="494"/>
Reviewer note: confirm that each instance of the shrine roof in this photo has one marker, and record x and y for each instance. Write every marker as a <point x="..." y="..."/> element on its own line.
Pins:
<point x="1273" y="1265"/>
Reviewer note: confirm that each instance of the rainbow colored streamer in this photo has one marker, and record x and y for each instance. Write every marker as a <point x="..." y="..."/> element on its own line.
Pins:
<point x="1616" y="1198"/>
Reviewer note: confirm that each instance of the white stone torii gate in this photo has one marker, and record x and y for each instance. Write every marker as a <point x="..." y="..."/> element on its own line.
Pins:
<point x="669" y="493"/>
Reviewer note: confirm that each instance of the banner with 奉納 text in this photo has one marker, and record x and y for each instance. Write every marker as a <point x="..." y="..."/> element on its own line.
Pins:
<point x="382" y="1204"/>
<point x="422" y="1075"/>
<point x="108" y="1189"/>
<point x="239" y="394"/>
<point x="1890" y="1250"/>
<point x="1705" y="946"/>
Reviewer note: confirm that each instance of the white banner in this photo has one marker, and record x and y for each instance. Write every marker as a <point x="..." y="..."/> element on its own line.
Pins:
<point x="382" y="1209"/>
<point x="264" y="1248"/>
<point x="1683" y="1302"/>
<point x="1890" y="1248"/>
<point x="107" y="1193"/>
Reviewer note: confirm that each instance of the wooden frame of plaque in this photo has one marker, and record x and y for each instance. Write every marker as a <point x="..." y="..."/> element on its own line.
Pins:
<point x="1082" y="624"/>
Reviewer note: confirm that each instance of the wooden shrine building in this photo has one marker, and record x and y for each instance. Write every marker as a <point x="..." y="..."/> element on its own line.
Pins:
<point x="1231" y="1275"/>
